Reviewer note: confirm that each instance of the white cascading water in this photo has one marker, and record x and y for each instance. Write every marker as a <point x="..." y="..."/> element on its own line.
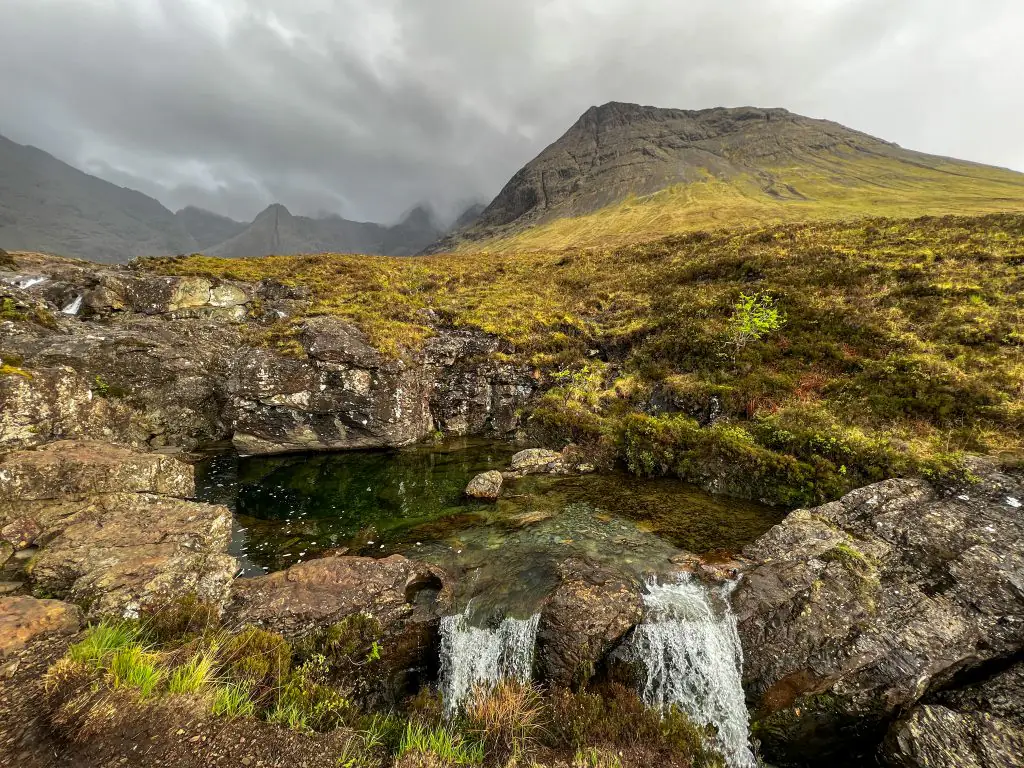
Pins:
<point x="692" y="654"/>
<point x="73" y="307"/>
<point x="474" y="656"/>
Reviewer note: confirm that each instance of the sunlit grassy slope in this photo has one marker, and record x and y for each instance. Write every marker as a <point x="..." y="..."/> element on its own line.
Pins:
<point x="832" y="186"/>
<point x="904" y="343"/>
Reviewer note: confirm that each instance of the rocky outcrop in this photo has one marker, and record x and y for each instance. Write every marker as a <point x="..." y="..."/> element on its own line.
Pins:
<point x="111" y="534"/>
<point x="23" y="619"/>
<point x="69" y="469"/>
<point x="318" y="593"/>
<point x="860" y="608"/>
<point x="152" y="362"/>
<point x="403" y="600"/>
<point x="590" y="611"/>
<point x="117" y="553"/>
<point x="980" y="726"/>
<point x="486" y="485"/>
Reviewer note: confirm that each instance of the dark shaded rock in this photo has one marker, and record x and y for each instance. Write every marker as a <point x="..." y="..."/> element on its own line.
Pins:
<point x="859" y="608"/>
<point x="934" y="735"/>
<point x="486" y="485"/>
<point x="588" y="614"/>
<point x="405" y="599"/>
<point x="23" y="619"/>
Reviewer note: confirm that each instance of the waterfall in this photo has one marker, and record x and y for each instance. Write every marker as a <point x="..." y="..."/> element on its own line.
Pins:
<point x="73" y="307"/>
<point x="472" y="656"/>
<point x="691" y="650"/>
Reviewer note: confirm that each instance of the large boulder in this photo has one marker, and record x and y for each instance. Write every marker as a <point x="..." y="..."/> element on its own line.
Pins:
<point x="402" y="599"/>
<point x="110" y="533"/>
<point x="318" y="593"/>
<point x="589" y="612"/>
<point x="858" y="608"/>
<point x="23" y="619"/>
<point x="980" y="726"/>
<point x="117" y="553"/>
<point x="71" y="468"/>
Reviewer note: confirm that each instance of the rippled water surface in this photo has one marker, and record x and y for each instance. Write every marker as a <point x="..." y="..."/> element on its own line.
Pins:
<point x="505" y="554"/>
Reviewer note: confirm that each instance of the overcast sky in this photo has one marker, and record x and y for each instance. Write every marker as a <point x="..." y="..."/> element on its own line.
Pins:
<point x="365" y="108"/>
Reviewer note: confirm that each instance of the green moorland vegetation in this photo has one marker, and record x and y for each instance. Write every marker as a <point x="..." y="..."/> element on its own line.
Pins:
<point x="336" y="680"/>
<point x="899" y="346"/>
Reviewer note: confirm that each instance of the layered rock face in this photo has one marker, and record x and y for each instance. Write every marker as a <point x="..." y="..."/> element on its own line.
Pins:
<point x="861" y="608"/>
<point x="111" y="531"/>
<point x="156" y="362"/>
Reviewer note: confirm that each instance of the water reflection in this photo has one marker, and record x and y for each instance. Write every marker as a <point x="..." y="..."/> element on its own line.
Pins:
<point x="504" y="555"/>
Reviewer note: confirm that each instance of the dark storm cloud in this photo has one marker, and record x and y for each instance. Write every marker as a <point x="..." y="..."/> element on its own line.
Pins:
<point x="367" y="108"/>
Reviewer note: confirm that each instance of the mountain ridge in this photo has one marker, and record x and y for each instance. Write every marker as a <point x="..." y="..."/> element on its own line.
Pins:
<point x="765" y="163"/>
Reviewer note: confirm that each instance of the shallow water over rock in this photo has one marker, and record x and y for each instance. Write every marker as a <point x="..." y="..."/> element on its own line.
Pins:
<point x="504" y="555"/>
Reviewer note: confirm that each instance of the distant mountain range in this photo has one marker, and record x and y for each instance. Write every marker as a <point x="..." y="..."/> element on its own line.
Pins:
<point x="47" y="205"/>
<point x="622" y="172"/>
<point x="626" y="171"/>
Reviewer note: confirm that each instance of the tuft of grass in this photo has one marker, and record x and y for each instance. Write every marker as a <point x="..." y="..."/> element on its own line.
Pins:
<point x="258" y="658"/>
<point x="592" y="757"/>
<point x="102" y="640"/>
<point x="442" y="742"/>
<point x="506" y="719"/>
<point x="195" y="675"/>
<point x="132" y="666"/>
<point x="233" y="700"/>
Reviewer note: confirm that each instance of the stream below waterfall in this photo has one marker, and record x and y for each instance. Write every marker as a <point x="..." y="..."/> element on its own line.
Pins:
<point x="504" y="556"/>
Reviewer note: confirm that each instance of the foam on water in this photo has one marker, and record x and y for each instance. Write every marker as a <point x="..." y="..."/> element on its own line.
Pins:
<point x="73" y="307"/>
<point x="480" y="656"/>
<point x="691" y="650"/>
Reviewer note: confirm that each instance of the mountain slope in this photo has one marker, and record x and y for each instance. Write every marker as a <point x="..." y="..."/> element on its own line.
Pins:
<point x="277" y="231"/>
<point x="47" y="205"/>
<point x="625" y="171"/>
<point x="206" y="227"/>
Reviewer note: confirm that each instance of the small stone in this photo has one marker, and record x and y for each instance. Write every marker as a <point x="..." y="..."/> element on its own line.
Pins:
<point x="486" y="485"/>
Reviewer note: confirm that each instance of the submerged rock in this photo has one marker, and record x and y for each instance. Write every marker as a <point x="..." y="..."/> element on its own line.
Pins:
<point x="858" y="608"/>
<point x="486" y="485"/>
<point x="590" y="611"/>
<point x="23" y="619"/>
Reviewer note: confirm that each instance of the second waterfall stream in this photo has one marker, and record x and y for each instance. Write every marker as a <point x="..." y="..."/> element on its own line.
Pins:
<point x="693" y="659"/>
<point x="687" y="644"/>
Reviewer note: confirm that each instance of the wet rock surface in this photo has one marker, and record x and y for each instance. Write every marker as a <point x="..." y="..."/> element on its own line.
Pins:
<point x="860" y="608"/>
<point x="590" y="611"/>
<point x="486" y="485"/>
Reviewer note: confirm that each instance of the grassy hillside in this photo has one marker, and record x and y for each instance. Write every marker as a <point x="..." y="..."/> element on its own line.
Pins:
<point x="821" y="186"/>
<point x="902" y="348"/>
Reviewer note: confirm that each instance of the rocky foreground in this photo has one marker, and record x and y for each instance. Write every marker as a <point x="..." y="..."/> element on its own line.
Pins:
<point x="887" y="624"/>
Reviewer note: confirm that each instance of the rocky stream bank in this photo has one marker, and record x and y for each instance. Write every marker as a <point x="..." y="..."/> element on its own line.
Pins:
<point x="886" y="625"/>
